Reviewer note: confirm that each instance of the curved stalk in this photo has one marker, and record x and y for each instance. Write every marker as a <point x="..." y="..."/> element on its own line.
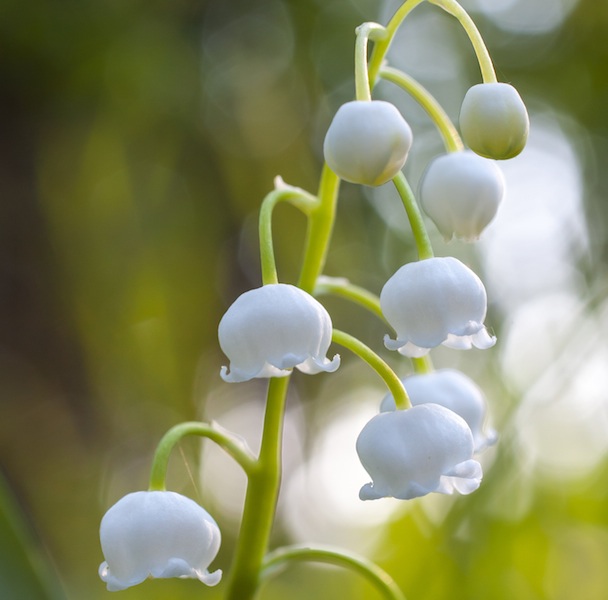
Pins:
<point x="381" y="47"/>
<point x="448" y="131"/>
<point x="339" y="286"/>
<point x="324" y="554"/>
<point x="233" y="445"/>
<point x="481" y="51"/>
<point x="365" y="32"/>
<point x="394" y="384"/>
<point x="421" y="237"/>
<point x="282" y="193"/>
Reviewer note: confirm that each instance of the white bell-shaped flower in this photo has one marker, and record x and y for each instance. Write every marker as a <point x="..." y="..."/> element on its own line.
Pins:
<point x="157" y="534"/>
<point x="461" y="192"/>
<point x="367" y="142"/>
<point x="432" y="302"/>
<point x="270" y="330"/>
<point x="494" y="121"/>
<point x="411" y="453"/>
<point x="454" y="390"/>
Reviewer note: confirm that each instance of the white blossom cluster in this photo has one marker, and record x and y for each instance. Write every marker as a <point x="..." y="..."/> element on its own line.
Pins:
<point x="271" y="330"/>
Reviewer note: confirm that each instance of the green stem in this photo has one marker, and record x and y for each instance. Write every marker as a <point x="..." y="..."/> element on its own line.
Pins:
<point x="444" y="124"/>
<point x="283" y="193"/>
<point x="264" y="481"/>
<point x="267" y="259"/>
<point x="340" y="286"/>
<point x="320" y="227"/>
<point x="233" y="445"/>
<point x="421" y="237"/>
<point x="374" y="574"/>
<point x="364" y="32"/>
<point x="381" y="47"/>
<point x="261" y="499"/>
<point x="423" y="365"/>
<point x="481" y="51"/>
<point x="394" y="384"/>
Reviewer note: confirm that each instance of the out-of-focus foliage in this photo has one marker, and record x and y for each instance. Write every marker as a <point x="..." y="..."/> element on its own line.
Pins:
<point x="138" y="139"/>
<point x="25" y="571"/>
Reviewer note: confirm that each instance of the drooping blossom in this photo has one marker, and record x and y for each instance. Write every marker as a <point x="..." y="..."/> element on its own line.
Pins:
<point x="432" y="302"/>
<point x="157" y="534"/>
<point x="454" y="390"/>
<point x="411" y="453"/>
<point x="367" y="142"/>
<point x="273" y="329"/>
<point x="461" y="192"/>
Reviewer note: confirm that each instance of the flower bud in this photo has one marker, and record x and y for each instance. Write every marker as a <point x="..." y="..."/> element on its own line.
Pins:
<point x="157" y="534"/>
<point x="270" y="330"/>
<point x="432" y="302"/>
<point x="367" y="142"/>
<point x="411" y="453"/>
<point x="494" y="121"/>
<point x="454" y="390"/>
<point x="460" y="192"/>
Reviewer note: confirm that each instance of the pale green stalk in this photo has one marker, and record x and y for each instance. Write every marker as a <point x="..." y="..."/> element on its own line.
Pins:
<point x="421" y="237"/>
<point x="264" y="482"/>
<point x="374" y="574"/>
<point x="381" y="46"/>
<point x="365" y="32"/>
<point x="451" y="138"/>
<point x="233" y="445"/>
<point x="423" y="364"/>
<point x="320" y="227"/>
<point x="394" y="384"/>
<point x="260" y="502"/>
<point x="340" y="286"/>
<point x="283" y="193"/>
<point x="481" y="51"/>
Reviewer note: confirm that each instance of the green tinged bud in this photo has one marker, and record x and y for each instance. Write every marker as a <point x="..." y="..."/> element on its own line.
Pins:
<point x="367" y="142"/>
<point x="494" y="121"/>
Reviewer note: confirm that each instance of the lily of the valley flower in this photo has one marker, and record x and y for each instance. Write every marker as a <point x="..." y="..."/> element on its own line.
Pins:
<point x="494" y="121"/>
<point x="461" y="192"/>
<point x="157" y="534"/>
<point x="432" y="302"/>
<point x="367" y="142"/>
<point x="411" y="453"/>
<point x="454" y="390"/>
<point x="270" y="330"/>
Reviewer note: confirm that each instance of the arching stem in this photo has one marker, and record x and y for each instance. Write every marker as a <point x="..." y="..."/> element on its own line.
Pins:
<point x="421" y="237"/>
<point x="233" y="445"/>
<point x="394" y="384"/>
<point x="364" y="33"/>
<point x="280" y="558"/>
<point x="451" y="138"/>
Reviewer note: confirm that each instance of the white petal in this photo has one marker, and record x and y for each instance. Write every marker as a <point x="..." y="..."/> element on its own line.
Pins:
<point x="432" y="302"/>
<point x="461" y="192"/>
<point x="414" y="452"/>
<point x="158" y="534"/>
<point x="453" y="390"/>
<point x="483" y="340"/>
<point x="367" y="142"/>
<point x="314" y="365"/>
<point x="406" y="348"/>
<point x="271" y="330"/>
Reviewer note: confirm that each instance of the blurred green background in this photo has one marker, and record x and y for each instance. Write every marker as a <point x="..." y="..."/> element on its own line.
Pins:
<point x="137" y="141"/>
